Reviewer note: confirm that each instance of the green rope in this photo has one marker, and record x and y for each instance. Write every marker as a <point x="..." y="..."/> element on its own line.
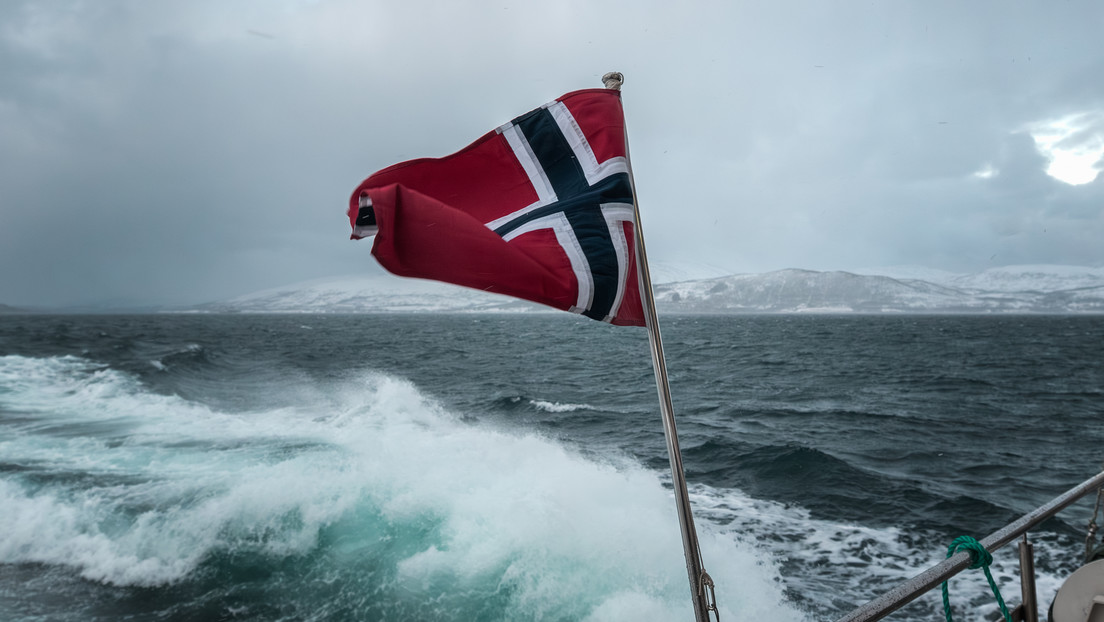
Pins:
<point x="980" y="558"/>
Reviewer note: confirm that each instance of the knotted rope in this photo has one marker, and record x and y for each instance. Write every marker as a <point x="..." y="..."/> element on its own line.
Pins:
<point x="980" y="558"/>
<point x="613" y="80"/>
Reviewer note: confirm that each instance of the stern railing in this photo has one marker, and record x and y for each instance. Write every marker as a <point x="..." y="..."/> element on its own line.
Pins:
<point x="931" y="578"/>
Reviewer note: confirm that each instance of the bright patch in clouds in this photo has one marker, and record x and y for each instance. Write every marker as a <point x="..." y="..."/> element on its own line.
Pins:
<point x="1074" y="146"/>
<point x="986" y="172"/>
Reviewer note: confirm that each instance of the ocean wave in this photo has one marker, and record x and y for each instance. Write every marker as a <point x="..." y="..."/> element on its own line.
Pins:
<point x="521" y="402"/>
<point x="192" y="354"/>
<point x="373" y="486"/>
<point x="557" y="407"/>
<point x="41" y="383"/>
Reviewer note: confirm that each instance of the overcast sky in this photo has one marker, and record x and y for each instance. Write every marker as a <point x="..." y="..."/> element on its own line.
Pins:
<point x="182" y="152"/>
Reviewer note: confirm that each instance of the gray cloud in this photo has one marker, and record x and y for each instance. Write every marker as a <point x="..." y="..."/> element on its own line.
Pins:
<point x="181" y="152"/>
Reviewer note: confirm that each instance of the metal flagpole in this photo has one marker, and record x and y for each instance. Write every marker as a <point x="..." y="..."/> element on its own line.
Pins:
<point x="701" y="586"/>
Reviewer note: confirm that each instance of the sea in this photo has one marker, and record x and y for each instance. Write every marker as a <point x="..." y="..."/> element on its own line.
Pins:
<point x="513" y="467"/>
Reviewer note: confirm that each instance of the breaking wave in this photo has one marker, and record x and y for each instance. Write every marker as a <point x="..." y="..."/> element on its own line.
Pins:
<point x="362" y="498"/>
<point x="556" y="407"/>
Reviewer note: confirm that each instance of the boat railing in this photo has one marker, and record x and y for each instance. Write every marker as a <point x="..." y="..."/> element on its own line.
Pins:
<point x="931" y="578"/>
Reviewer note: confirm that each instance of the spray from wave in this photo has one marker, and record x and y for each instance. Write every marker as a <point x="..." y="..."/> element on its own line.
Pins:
<point x="359" y="499"/>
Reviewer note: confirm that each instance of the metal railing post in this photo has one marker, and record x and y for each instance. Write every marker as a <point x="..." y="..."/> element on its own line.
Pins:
<point x="1027" y="581"/>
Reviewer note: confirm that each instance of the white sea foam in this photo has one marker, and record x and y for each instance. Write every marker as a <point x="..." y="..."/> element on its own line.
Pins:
<point x="178" y="482"/>
<point x="834" y="560"/>
<point x="557" y="407"/>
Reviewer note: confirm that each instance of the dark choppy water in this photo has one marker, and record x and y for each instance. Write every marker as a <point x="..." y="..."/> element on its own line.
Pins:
<point x="513" y="467"/>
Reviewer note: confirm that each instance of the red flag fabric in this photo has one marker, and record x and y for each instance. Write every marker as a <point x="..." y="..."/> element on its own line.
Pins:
<point x="540" y="208"/>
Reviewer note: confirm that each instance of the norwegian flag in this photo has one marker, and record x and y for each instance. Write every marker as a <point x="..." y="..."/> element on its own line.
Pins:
<point x="540" y="209"/>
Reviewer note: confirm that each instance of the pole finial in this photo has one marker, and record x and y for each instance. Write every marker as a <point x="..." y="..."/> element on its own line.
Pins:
<point x="613" y="80"/>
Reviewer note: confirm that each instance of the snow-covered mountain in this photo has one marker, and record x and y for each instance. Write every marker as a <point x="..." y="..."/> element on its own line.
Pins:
<point x="368" y="294"/>
<point x="1011" y="289"/>
<point x="1040" y="278"/>
<point x="794" y="291"/>
<point x="1032" y="289"/>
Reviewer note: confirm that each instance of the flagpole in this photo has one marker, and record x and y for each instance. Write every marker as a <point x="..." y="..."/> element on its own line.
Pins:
<point x="701" y="585"/>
